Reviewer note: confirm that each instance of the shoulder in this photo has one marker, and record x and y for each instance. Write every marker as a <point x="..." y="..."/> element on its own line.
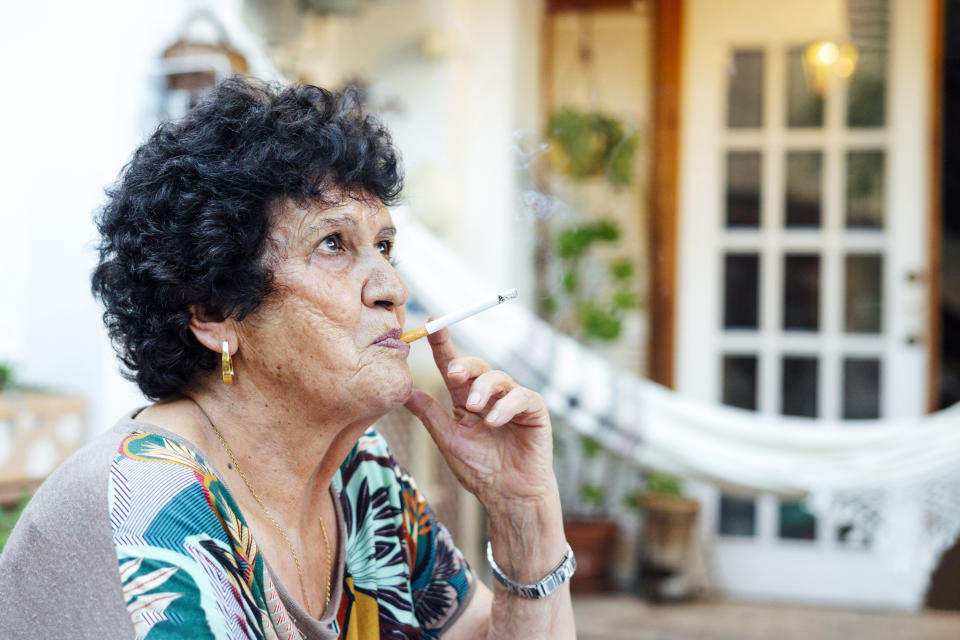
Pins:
<point x="74" y="495"/>
<point x="161" y="490"/>
<point x="185" y="556"/>
<point x="62" y="545"/>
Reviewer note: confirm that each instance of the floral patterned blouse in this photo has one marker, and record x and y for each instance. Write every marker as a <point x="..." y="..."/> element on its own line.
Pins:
<point x="190" y="568"/>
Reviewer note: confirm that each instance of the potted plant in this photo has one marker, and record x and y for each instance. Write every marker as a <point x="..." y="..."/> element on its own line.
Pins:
<point x="585" y="144"/>
<point x="589" y="527"/>
<point x="668" y="529"/>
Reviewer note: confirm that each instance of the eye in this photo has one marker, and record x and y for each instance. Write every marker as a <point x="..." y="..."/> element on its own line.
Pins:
<point x="332" y="243"/>
<point x="384" y="247"/>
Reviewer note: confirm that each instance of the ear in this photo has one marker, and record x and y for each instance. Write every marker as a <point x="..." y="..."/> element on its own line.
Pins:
<point x="211" y="331"/>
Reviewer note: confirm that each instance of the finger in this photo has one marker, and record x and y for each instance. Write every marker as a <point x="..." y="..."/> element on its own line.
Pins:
<point x="519" y="402"/>
<point x="443" y="349"/>
<point x="466" y="368"/>
<point x="486" y="386"/>
<point x="430" y="412"/>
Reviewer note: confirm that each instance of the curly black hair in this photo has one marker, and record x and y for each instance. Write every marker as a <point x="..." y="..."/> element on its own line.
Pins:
<point x="188" y="219"/>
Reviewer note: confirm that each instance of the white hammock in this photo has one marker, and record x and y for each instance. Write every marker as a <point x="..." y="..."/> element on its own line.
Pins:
<point x="661" y="429"/>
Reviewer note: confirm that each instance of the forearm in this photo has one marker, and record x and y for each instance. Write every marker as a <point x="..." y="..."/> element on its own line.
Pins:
<point x="528" y="542"/>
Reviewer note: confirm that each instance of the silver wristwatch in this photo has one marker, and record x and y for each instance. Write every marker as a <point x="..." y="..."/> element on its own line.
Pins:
<point x="542" y="589"/>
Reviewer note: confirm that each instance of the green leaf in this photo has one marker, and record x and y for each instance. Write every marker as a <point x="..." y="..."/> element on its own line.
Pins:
<point x="625" y="300"/>
<point x="572" y="243"/>
<point x="621" y="269"/>
<point x="548" y="306"/>
<point x="590" y="447"/>
<point x="9" y="517"/>
<point x="620" y="167"/>
<point x="570" y="281"/>
<point x="605" y="229"/>
<point x="593" y="494"/>
<point x="663" y="483"/>
<point x="631" y="501"/>
<point x="598" y="323"/>
<point x="6" y="376"/>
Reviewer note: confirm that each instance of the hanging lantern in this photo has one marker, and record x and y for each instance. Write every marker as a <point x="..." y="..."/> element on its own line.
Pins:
<point x="192" y="65"/>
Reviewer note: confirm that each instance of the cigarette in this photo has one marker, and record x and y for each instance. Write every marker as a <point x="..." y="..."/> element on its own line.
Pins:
<point x="452" y="318"/>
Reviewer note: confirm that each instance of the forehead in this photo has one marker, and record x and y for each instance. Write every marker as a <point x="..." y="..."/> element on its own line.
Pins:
<point x="300" y="221"/>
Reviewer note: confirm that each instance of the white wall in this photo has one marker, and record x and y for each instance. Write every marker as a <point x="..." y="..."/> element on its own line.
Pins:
<point x="78" y="98"/>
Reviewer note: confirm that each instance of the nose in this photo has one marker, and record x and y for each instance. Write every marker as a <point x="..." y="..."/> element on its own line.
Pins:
<point x="383" y="287"/>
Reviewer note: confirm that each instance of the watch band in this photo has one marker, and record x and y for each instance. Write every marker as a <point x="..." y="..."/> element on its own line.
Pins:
<point x="560" y="574"/>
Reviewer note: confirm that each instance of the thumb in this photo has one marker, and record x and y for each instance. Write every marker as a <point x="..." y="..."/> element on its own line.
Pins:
<point x="430" y="412"/>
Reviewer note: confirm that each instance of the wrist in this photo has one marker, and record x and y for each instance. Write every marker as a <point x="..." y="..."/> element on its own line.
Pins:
<point x="527" y="538"/>
<point x="545" y="502"/>
<point x="543" y="587"/>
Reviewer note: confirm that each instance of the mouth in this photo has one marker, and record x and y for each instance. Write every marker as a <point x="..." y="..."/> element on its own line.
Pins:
<point x="391" y="340"/>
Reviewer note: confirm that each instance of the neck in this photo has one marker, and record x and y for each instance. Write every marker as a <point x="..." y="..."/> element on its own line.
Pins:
<point x="287" y="451"/>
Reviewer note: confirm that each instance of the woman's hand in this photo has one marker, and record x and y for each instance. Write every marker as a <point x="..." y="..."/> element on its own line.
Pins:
<point x="499" y="444"/>
<point x="498" y="441"/>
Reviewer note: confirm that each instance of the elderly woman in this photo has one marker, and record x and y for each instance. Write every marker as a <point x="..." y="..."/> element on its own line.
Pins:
<point x="245" y="266"/>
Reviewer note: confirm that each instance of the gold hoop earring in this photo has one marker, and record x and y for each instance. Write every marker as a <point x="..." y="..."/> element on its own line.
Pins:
<point x="226" y="364"/>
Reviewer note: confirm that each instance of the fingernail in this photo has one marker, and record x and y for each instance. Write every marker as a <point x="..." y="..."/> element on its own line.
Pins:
<point x="474" y="398"/>
<point x="493" y="417"/>
<point x="454" y="369"/>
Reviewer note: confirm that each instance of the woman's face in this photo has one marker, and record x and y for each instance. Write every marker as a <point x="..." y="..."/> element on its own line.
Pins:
<point x="330" y="334"/>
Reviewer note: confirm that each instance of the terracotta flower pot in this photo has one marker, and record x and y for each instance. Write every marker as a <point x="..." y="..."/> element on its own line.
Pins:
<point x="592" y="541"/>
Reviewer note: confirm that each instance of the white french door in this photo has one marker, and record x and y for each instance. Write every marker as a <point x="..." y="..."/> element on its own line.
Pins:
<point x="802" y="255"/>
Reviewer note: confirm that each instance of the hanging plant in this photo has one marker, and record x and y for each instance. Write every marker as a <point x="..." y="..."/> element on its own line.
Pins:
<point x="586" y="144"/>
<point x="597" y="313"/>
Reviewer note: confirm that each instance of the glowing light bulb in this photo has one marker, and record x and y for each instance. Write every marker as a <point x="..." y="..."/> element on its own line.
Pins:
<point x="828" y="53"/>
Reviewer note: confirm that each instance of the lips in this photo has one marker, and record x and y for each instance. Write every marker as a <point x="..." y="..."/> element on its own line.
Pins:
<point x="391" y="340"/>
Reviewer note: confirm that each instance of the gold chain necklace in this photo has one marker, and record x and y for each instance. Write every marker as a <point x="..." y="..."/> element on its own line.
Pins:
<point x="283" y="534"/>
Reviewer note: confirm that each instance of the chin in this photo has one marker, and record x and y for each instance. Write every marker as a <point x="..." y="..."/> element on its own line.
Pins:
<point x="392" y="390"/>
<point x="402" y="390"/>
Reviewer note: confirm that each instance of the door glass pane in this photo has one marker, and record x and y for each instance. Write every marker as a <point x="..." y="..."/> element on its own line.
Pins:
<point x="802" y="207"/>
<point x="801" y="292"/>
<point x="740" y="381"/>
<point x="869" y="22"/>
<point x="804" y="105"/>
<point x="865" y="189"/>
<point x="743" y="189"/>
<point x="799" y="387"/>
<point x="861" y="388"/>
<point x="796" y="523"/>
<point x="738" y="517"/>
<point x="740" y="285"/>
<point x="745" y="100"/>
<point x="866" y="106"/>
<point x="863" y="296"/>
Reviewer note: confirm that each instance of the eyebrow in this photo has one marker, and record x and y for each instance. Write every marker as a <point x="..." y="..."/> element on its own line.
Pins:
<point x="326" y="222"/>
<point x="347" y="221"/>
